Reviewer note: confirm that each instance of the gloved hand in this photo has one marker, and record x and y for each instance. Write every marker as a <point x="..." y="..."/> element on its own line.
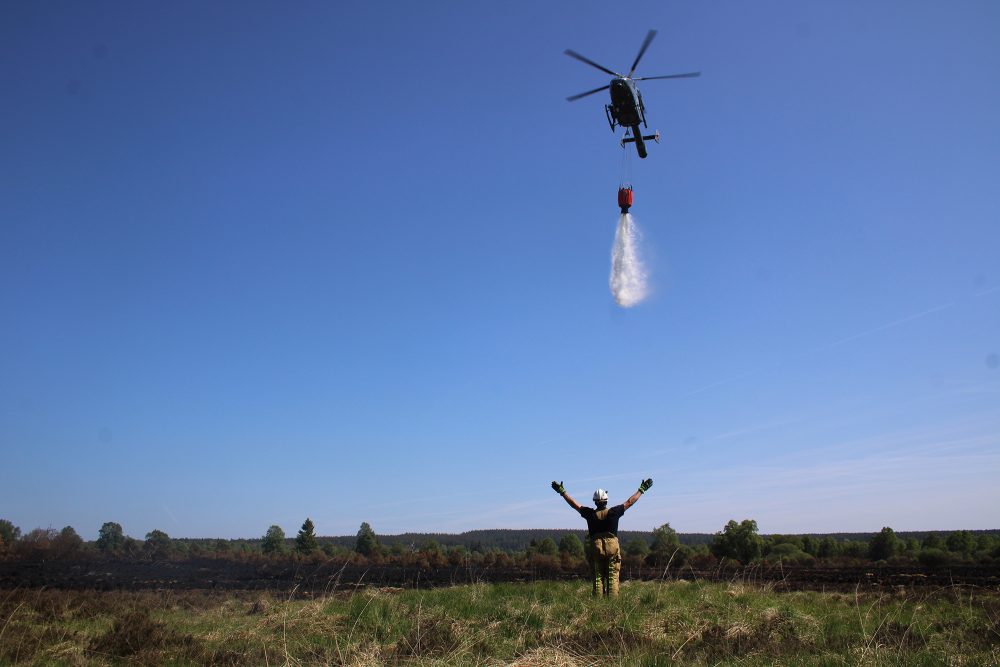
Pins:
<point x="645" y="484"/>
<point x="558" y="488"/>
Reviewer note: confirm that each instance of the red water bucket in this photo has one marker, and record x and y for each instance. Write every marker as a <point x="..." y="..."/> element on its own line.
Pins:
<point x="625" y="198"/>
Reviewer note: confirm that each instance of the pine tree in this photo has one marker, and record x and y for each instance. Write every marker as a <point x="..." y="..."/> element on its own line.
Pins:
<point x="305" y="541"/>
<point x="367" y="543"/>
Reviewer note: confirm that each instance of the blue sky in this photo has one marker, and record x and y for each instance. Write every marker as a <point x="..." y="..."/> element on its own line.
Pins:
<point x="260" y="262"/>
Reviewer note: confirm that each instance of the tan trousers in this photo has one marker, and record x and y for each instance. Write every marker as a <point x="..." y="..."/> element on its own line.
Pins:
<point x="605" y="559"/>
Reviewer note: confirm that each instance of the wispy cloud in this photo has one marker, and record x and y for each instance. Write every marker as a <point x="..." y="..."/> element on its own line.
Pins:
<point x="884" y="327"/>
<point x="897" y="477"/>
<point x="927" y="312"/>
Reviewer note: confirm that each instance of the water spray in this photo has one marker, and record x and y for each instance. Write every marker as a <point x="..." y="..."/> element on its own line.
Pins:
<point x="628" y="276"/>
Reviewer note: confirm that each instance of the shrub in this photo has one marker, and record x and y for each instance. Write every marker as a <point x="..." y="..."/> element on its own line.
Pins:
<point x="571" y="544"/>
<point x="547" y="547"/>
<point x="788" y="553"/>
<point x="703" y="561"/>
<point x="36" y="543"/>
<point x="66" y="543"/>
<point x="933" y="557"/>
<point x="637" y="547"/>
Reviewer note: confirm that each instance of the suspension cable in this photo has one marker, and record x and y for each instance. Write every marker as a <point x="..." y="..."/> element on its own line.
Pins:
<point x="626" y="165"/>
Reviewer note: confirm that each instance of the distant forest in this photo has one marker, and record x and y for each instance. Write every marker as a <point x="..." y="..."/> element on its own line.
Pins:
<point x="736" y="542"/>
<point x="519" y="539"/>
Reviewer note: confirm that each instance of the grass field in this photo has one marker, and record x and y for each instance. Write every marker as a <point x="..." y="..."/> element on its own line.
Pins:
<point x="543" y="623"/>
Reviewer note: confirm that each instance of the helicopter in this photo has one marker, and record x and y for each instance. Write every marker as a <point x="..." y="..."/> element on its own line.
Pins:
<point x="626" y="108"/>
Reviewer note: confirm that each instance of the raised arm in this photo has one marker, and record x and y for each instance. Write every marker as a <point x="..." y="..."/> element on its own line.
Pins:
<point x="561" y="490"/>
<point x="643" y="487"/>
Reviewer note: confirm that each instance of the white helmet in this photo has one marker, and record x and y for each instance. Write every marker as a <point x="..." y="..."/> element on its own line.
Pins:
<point x="600" y="496"/>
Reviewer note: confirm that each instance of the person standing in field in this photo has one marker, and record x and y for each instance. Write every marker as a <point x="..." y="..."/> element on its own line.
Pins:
<point x="604" y="554"/>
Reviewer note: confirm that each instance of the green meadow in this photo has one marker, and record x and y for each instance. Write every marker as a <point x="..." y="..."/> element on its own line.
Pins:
<point x="542" y="623"/>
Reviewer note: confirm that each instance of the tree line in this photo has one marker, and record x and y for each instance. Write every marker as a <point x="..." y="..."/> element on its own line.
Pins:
<point x="738" y="542"/>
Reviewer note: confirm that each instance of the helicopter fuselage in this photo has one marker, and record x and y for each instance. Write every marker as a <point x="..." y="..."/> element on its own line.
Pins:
<point x="626" y="107"/>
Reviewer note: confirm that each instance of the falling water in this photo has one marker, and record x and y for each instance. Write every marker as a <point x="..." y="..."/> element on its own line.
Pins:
<point x="628" y="277"/>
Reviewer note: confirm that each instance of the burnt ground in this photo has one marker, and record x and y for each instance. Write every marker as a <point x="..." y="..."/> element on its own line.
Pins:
<point x="318" y="577"/>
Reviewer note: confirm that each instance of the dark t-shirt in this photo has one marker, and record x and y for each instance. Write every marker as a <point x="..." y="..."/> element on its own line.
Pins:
<point x="605" y="521"/>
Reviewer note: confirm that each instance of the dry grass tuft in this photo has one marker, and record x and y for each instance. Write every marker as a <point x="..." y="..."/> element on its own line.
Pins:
<point x="548" y="657"/>
<point x="433" y="636"/>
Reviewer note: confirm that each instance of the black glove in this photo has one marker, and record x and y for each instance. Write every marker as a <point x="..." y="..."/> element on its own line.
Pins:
<point x="645" y="484"/>
<point x="558" y="488"/>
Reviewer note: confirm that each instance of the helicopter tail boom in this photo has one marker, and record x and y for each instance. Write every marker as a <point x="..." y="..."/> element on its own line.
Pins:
<point x="639" y="140"/>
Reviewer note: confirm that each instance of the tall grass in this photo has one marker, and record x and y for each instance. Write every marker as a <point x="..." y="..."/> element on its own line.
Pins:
<point x="542" y="623"/>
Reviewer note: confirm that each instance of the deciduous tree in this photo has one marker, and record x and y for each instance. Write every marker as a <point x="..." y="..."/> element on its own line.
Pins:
<point x="828" y="548"/>
<point x="665" y="540"/>
<point x="157" y="544"/>
<point x="667" y="547"/>
<point x="884" y="545"/>
<point x="961" y="541"/>
<point x="547" y="547"/>
<point x="8" y="533"/>
<point x="637" y="547"/>
<point x="933" y="541"/>
<point x="739" y="541"/>
<point x="429" y="546"/>
<point x="111" y="537"/>
<point x="571" y="544"/>
<point x="274" y="541"/>
<point x="67" y="542"/>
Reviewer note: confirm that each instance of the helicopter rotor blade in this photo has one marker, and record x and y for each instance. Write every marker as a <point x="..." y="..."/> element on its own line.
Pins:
<point x="642" y="50"/>
<point x="687" y="75"/>
<point x="573" y="54"/>
<point x="574" y="98"/>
